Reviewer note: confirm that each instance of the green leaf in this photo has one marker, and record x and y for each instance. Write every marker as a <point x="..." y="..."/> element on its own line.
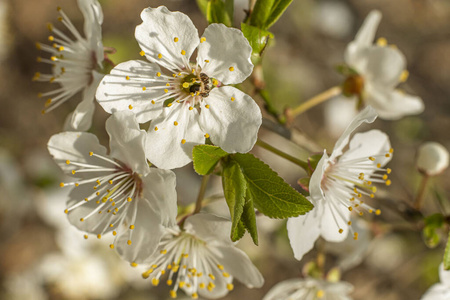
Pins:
<point x="203" y="6"/>
<point x="271" y="195"/>
<point x="257" y="38"/>
<point x="430" y="235"/>
<point x="234" y="187"/>
<point x="447" y="255"/>
<point x="217" y="11"/>
<point x="277" y="10"/>
<point x="206" y="157"/>
<point x="249" y="220"/>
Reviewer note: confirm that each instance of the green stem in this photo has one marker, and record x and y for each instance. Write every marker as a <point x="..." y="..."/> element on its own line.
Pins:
<point x="310" y="103"/>
<point x="421" y="192"/>
<point x="201" y="194"/>
<point x="274" y="150"/>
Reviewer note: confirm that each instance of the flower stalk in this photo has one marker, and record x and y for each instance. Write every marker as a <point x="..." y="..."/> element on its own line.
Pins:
<point x="316" y="100"/>
<point x="421" y="192"/>
<point x="298" y="162"/>
<point x="201" y="194"/>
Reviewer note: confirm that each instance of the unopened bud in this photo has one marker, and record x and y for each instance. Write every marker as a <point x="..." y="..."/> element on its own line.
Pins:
<point x="432" y="158"/>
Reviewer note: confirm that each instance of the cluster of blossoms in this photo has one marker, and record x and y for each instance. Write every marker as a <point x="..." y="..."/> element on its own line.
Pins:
<point x="130" y="191"/>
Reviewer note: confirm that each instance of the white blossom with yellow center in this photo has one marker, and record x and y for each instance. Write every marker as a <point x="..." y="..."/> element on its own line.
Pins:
<point x="201" y="260"/>
<point x="76" y="62"/>
<point x="381" y="68"/>
<point x="187" y="102"/>
<point x="309" y="289"/>
<point x="116" y="193"/>
<point x="341" y="183"/>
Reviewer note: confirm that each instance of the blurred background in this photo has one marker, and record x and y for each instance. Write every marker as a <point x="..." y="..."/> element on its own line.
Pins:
<point x="43" y="257"/>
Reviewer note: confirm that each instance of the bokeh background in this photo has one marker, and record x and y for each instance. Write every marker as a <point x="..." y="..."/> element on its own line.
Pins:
<point x="43" y="257"/>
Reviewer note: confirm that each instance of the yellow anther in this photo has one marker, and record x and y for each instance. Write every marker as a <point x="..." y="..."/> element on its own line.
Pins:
<point x="349" y="223"/>
<point x="183" y="141"/>
<point x="99" y="236"/>
<point x="85" y="236"/>
<point x="320" y="294"/>
<point x="66" y="211"/>
<point x="167" y="84"/>
<point x="144" y="88"/>
<point x="183" y="52"/>
<point x="211" y="286"/>
<point x="185" y="85"/>
<point x="194" y="296"/>
<point x="206" y="135"/>
<point x="73" y="172"/>
<point x="231" y="69"/>
<point x="225" y="274"/>
<point x="129" y="242"/>
<point x="191" y="108"/>
<point x="38" y="59"/>
<point x="388" y="182"/>
<point x="207" y="105"/>
<point x="202" y="39"/>
<point x="61" y="184"/>
<point x="114" y="233"/>
<point x="388" y="171"/>
<point x="355" y="236"/>
<point x="134" y="265"/>
<point x="350" y="208"/>
<point x="388" y="155"/>
<point x="166" y="90"/>
<point x="131" y="226"/>
<point x="77" y="184"/>
<point x="61" y="48"/>
<point x="156" y="128"/>
<point x="130" y="106"/>
<point x="206" y="61"/>
<point x="232" y="98"/>
<point x="212" y="276"/>
<point x="341" y="230"/>
<point x="111" y="225"/>
<point x="153" y="101"/>
<point x="169" y="105"/>
<point x="381" y="42"/>
<point x="111" y="246"/>
<point x="372" y="158"/>
<point x="404" y="76"/>
<point x="361" y="213"/>
<point x="230" y="286"/>
<point x="201" y="285"/>
<point x="67" y="161"/>
<point x="169" y="282"/>
<point x="385" y="177"/>
<point x="181" y="284"/>
<point x="163" y="251"/>
<point x="378" y="212"/>
<point x="173" y="294"/>
<point x="159" y="55"/>
<point x="220" y="267"/>
<point x="51" y="38"/>
<point x="155" y="281"/>
<point x="215" y="82"/>
<point x="91" y="153"/>
<point x="175" y="123"/>
<point x="127" y="77"/>
<point x="372" y="195"/>
<point x="142" y="53"/>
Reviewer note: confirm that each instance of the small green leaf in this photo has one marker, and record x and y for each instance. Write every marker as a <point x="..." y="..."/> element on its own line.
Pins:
<point x="277" y="10"/>
<point x="249" y="220"/>
<point x="217" y="12"/>
<point x="271" y="195"/>
<point x="234" y="187"/>
<point x="257" y="38"/>
<point x="447" y="255"/>
<point x="432" y="224"/>
<point x="206" y="157"/>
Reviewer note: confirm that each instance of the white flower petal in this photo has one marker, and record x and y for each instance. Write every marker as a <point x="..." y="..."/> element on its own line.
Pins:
<point x="171" y="34"/>
<point x="303" y="231"/>
<point x="384" y="66"/>
<point x="124" y="87"/>
<point x="225" y="54"/>
<point x="232" y="119"/>
<point x="367" y="115"/>
<point x="315" y="183"/>
<point x="144" y="237"/>
<point x="444" y="276"/>
<point x="437" y="292"/>
<point x="218" y="228"/>
<point x="93" y="19"/>
<point x="127" y="141"/>
<point x="368" y="144"/>
<point x="170" y="146"/>
<point x="237" y="263"/>
<point x="159" y="190"/>
<point x="393" y="104"/>
<point x="81" y="118"/>
<point x="335" y="217"/>
<point x="73" y="146"/>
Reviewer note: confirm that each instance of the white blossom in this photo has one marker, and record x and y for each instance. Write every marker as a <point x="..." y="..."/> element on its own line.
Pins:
<point x="201" y="260"/>
<point x="309" y="289"/>
<point x="380" y="68"/>
<point x="117" y="192"/>
<point x="200" y="105"/>
<point x="432" y="158"/>
<point x="340" y="184"/>
<point x="76" y="64"/>
<point x="439" y="291"/>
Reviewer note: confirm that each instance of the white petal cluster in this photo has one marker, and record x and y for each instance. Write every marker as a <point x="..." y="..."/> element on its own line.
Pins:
<point x="432" y="158"/>
<point x="380" y="69"/>
<point x="187" y="102"/>
<point x="340" y="184"/>
<point x="309" y="289"/>
<point x="439" y="291"/>
<point x="76" y="62"/>
<point x="201" y="260"/>
<point x="116" y="193"/>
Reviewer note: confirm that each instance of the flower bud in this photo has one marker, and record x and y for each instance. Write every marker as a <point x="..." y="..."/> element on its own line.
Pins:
<point x="432" y="158"/>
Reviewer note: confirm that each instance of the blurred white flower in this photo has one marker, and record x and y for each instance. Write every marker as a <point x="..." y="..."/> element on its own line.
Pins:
<point x="439" y="291"/>
<point x="201" y="106"/>
<point x="338" y="184"/>
<point x="333" y="18"/>
<point x="76" y="64"/>
<point x="309" y="289"/>
<point x="119" y="192"/>
<point x="338" y="113"/>
<point x="201" y="259"/>
<point x="432" y="158"/>
<point x="379" y="69"/>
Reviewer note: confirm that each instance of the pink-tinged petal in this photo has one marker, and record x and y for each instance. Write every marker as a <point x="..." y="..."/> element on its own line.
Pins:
<point x="238" y="265"/>
<point x="231" y="118"/>
<point x="367" y="115"/>
<point x="167" y="38"/>
<point x="131" y="86"/>
<point x="127" y="141"/>
<point x="81" y="118"/>
<point x="93" y="19"/>
<point x="393" y="104"/>
<point x="218" y="229"/>
<point x="373" y="143"/>
<point x="74" y="146"/>
<point x="363" y="39"/>
<point x="159" y="190"/>
<point x="173" y="135"/>
<point x="144" y="237"/>
<point x="315" y="184"/>
<point x="224" y="53"/>
<point x="303" y="231"/>
<point x="384" y="66"/>
<point x="335" y="217"/>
